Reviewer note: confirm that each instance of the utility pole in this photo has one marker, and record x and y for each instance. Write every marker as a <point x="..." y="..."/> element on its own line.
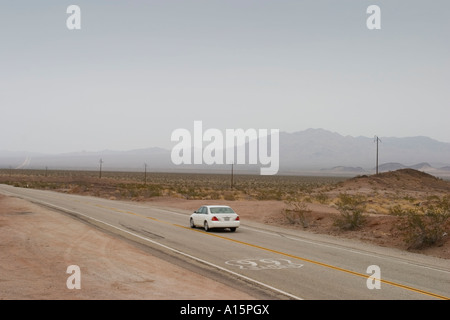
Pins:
<point x="232" y="173"/>
<point x="100" y="174"/>
<point x="376" y="139"/>
<point x="145" y="173"/>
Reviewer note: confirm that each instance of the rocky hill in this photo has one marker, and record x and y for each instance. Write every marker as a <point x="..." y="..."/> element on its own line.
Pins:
<point x="399" y="181"/>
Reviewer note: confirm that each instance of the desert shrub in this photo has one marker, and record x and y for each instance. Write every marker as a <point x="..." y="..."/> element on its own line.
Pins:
<point x="321" y="197"/>
<point x="296" y="212"/>
<point x="426" y="227"/>
<point x="409" y="198"/>
<point x="351" y="209"/>
<point x="230" y="196"/>
<point x="433" y="198"/>
<point x="307" y="199"/>
<point x="269" y="194"/>
<point x="443" y="205"/>
<point x="152" y="191"/>
<point x="214" y="195"/>
<point x="396" y="210"/>
<point x="136" y="190"/>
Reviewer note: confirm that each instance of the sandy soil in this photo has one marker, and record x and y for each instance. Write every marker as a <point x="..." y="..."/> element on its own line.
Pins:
<point x="37" y="245"/>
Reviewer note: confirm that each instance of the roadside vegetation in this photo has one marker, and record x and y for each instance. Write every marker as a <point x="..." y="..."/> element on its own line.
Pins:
<point x="296" y="212"/>
<point x="351" y="209"/>
<point x="425" y="227"/>
<point x="136" y="186"/>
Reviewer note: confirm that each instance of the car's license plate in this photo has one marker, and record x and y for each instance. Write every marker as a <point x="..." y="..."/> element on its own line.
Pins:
<point x="227" y="219"/>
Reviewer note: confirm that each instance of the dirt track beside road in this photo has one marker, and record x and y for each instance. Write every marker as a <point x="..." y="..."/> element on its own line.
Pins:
<point x="37" y="245"/>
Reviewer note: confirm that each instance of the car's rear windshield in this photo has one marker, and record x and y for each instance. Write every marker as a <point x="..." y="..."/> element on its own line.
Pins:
<point x="221" y="210"/>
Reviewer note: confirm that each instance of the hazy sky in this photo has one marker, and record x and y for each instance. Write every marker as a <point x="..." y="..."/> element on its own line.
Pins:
<point x="138" y="70"/>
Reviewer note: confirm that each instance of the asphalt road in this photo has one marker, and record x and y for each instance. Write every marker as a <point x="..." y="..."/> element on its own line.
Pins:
<point x="291" y="264"/>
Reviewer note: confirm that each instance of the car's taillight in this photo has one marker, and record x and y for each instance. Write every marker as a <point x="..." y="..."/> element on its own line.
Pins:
<point x="214" y="219"/>
<point x="237" y="218"/>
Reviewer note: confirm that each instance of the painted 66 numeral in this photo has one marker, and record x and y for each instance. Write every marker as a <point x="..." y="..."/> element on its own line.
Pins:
<point x="265" y="263"/>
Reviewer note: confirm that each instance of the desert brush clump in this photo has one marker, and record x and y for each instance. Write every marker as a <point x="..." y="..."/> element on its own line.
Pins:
<point x="351" y="209"/>
<point x="425" y="227"/>
<point x="136" y="190"/>
<point x="321" y="197"/>
<point x="296" y="212"/>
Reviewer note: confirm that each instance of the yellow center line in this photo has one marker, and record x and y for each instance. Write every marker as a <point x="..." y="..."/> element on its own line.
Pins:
<point x="286" y="255"/>
<point x="321" y="264"/>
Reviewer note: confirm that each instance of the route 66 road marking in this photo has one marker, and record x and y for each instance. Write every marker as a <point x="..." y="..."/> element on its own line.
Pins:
<point x="263" y="264"/>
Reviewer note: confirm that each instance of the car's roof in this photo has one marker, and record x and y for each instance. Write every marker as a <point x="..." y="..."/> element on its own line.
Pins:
<point x="216" y="206"/>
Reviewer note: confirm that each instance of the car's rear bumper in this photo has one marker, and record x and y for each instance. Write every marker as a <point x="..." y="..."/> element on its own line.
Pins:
<point x="222" y="224"/>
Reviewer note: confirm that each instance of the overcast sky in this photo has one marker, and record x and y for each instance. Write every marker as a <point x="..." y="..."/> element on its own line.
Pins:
<point x="138" y="70"/>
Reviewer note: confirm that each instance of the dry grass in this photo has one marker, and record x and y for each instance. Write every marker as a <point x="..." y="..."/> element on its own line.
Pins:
<point x="130" y="185"/>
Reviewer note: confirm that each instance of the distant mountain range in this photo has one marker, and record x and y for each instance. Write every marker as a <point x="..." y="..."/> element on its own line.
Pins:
<point x="312" y="151"/>
<point x="318" y="148"/>
<point x="385" y="167"/>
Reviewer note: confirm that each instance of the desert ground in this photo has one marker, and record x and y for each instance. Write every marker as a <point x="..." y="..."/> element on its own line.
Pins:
<point x="37" y="244"/>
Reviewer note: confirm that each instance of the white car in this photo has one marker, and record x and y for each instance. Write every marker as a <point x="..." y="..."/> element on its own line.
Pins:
<point x="210" y="217"/>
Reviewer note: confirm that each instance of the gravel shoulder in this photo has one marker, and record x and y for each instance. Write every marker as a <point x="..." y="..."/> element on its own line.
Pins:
<point x="37" y="245"/>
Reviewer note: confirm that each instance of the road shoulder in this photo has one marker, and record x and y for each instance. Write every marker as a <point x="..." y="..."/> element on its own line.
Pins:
<point x="38" y="245"/>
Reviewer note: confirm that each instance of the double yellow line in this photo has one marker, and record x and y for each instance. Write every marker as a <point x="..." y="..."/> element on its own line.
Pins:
<point x="398" y="285"/>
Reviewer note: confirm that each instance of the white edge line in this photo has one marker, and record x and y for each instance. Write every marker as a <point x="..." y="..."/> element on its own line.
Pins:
<point x="164" y="246"/>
